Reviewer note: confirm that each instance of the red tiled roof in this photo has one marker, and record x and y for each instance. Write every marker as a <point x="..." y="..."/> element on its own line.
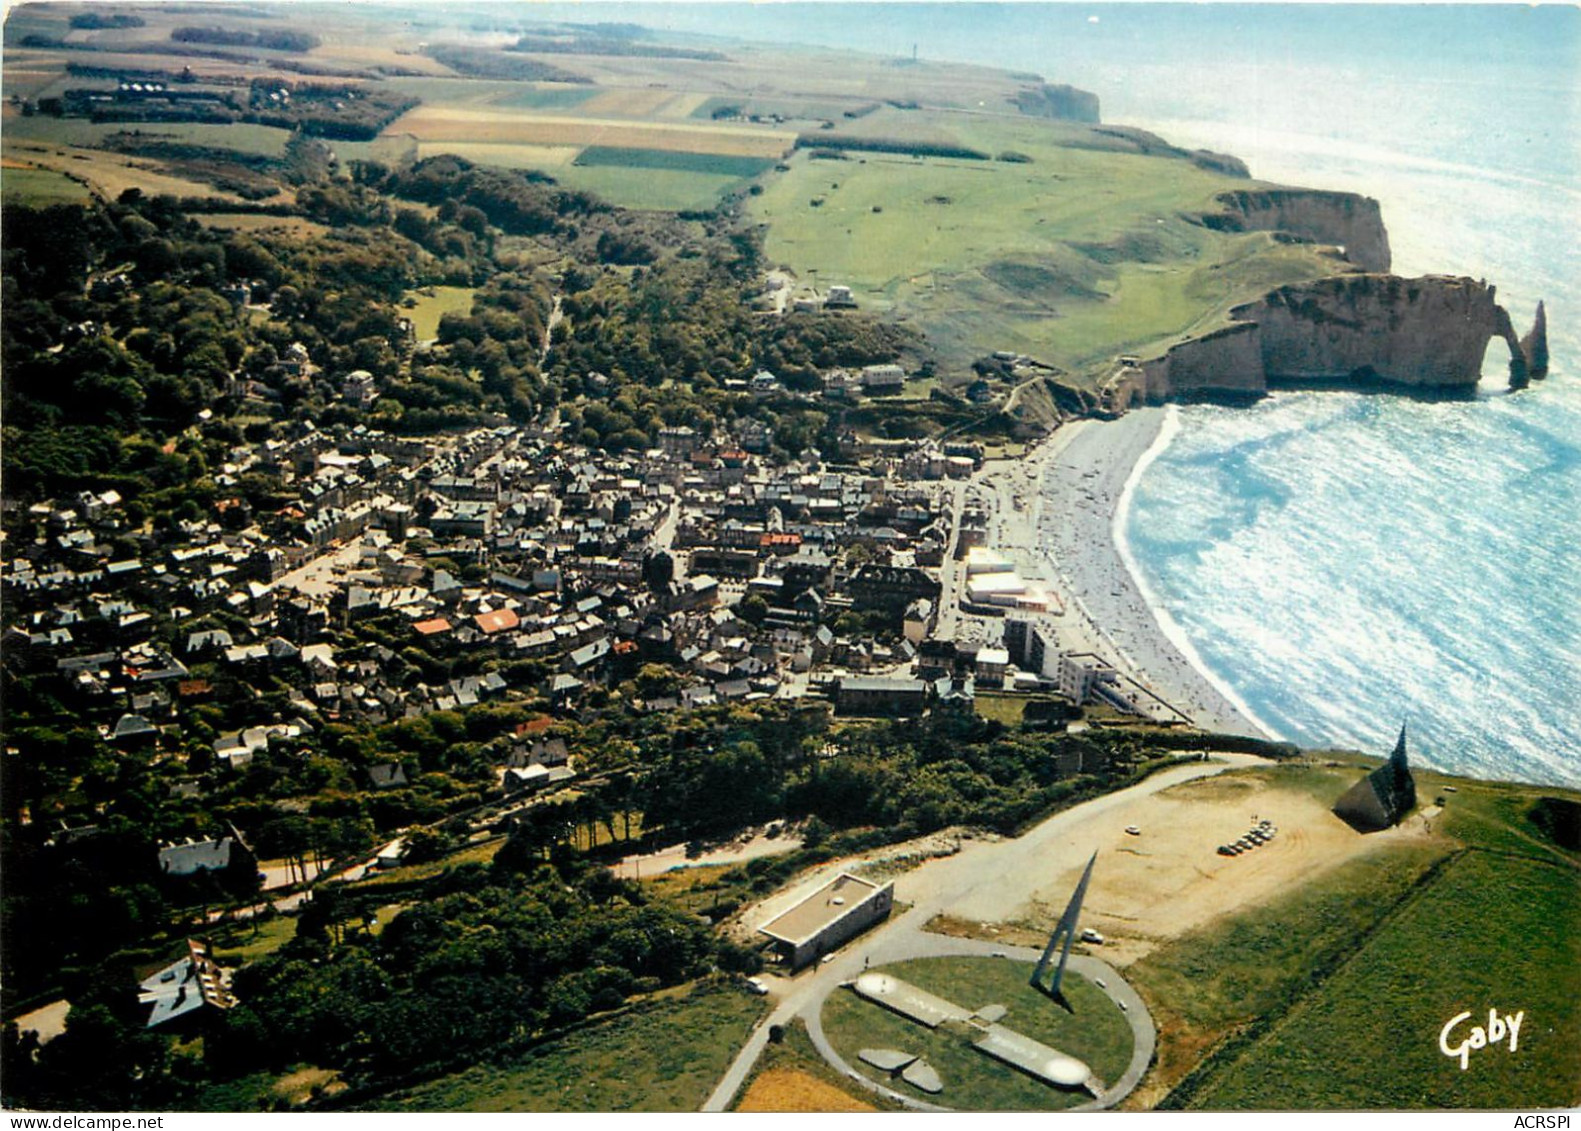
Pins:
<point x="432" y="627"/>
<point x="498" y="621"/>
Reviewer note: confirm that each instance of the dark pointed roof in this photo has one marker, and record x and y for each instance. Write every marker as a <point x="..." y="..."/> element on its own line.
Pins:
<point x="1397" y="759"/>
<point x="1383" y="797"/>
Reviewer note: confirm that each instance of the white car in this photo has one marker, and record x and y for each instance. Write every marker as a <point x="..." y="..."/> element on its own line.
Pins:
<point x="757" y="986"/>
<point x="1090" y="935"/>
<point x="1133" y="830"/>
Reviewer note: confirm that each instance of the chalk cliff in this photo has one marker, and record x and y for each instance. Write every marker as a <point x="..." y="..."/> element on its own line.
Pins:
<point x="1049" y="100"/>
<point x="1362" y="329"/>
<point x="1430" y="332"/>
<point x="1343" y="219"/>
<point x="1534" y="346"/>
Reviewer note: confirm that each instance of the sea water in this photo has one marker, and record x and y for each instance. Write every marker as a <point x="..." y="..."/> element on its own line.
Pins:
<point x="1348" y="562"/>
<point x="1343" y="562"/>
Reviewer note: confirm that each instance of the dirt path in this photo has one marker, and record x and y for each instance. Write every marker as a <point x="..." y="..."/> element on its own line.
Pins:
<point x="1170" y="879"/>
<point x="745" y="848"/>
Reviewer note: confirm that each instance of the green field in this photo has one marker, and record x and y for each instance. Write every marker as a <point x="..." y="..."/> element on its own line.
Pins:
<point x="429" y="308"/>
<point x="1292" y="1004"/>
<point x="1078" y="255"/>
<point x="445" y="91"/>
<point x="720" y="164"/>
<point x="1097" y="1033"/>
<point x="1006" y="709"/>
<point x="791" y="109"/>
<point x="40" y="187"/>
<point x="667" y="180"/>
<point x="267" y="141"/>
<point x="666" y="1056"/>
<point x="667" y="190"/>
<point x="547" y="97"/>
<point x="548" y="158"/>
<point x="1492" y="932"/>
<point x="245" y="943"/>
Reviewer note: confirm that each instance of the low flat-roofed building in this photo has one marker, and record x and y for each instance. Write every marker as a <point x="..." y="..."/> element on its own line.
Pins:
<point x="828" y="918"/>
<point x="1004" y="588"/>
<point x="980" y="559"/>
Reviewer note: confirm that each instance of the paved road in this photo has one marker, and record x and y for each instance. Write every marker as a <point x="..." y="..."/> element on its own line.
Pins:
<point x="938" y="886"/>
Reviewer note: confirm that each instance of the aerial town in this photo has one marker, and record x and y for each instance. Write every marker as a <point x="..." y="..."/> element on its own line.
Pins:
<point x="558" y="566"/>
<point x="511" y="543"/>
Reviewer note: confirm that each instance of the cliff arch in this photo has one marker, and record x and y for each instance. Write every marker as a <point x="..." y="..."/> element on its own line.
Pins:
<point x="1429" y="333"/>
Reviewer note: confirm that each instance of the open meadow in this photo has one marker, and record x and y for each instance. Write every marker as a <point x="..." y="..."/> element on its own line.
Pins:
<point x="1053" y="242"/>
<point x="500" y="127"/>
<point x="27" y="184"/>
<point x="431" y="304"/>
<point x="1292" y="1000"/>
<point x="664" y="1055"/>
<point x="1490" y="933"/>
<point x="97" y="171"/>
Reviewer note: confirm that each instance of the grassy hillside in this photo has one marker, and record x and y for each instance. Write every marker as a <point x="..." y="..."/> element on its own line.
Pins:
<point x="1334" y="995"/>
<point x="1062" y="245"/>
<point x="663" y="1057"/>
<point x="1049" y="238"/>
<point x="1490" y="932"/>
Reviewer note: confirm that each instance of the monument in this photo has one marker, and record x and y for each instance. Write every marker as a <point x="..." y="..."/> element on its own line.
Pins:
<point x="1064" y="932"/>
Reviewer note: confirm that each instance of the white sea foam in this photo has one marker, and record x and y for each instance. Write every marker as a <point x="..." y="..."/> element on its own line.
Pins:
<point x="1160" y="611"/>
<point x="1351" y="561"/>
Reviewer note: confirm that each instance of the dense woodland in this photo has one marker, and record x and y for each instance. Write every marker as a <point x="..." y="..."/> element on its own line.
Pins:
<point x="131" y="364"/>
<point x="117" y="333"/>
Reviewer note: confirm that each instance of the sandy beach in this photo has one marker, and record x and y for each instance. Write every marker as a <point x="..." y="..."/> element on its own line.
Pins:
<point x="1085" y="467"/>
